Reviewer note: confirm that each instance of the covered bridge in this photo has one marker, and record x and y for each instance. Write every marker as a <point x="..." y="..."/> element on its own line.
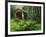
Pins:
<point x="21" y="14"/>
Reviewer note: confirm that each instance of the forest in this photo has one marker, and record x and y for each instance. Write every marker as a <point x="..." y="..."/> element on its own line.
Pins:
<point x="25" y="18"/>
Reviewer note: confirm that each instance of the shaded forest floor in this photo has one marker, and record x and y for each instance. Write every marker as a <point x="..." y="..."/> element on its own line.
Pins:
<point x="24" y="25"/>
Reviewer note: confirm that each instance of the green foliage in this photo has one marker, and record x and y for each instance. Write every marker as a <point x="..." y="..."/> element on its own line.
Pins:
<point x="13" y="10"/>
<point x="23" y="25"/>
<point x="34" y="12"/>
<point x="32" y="23"/>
